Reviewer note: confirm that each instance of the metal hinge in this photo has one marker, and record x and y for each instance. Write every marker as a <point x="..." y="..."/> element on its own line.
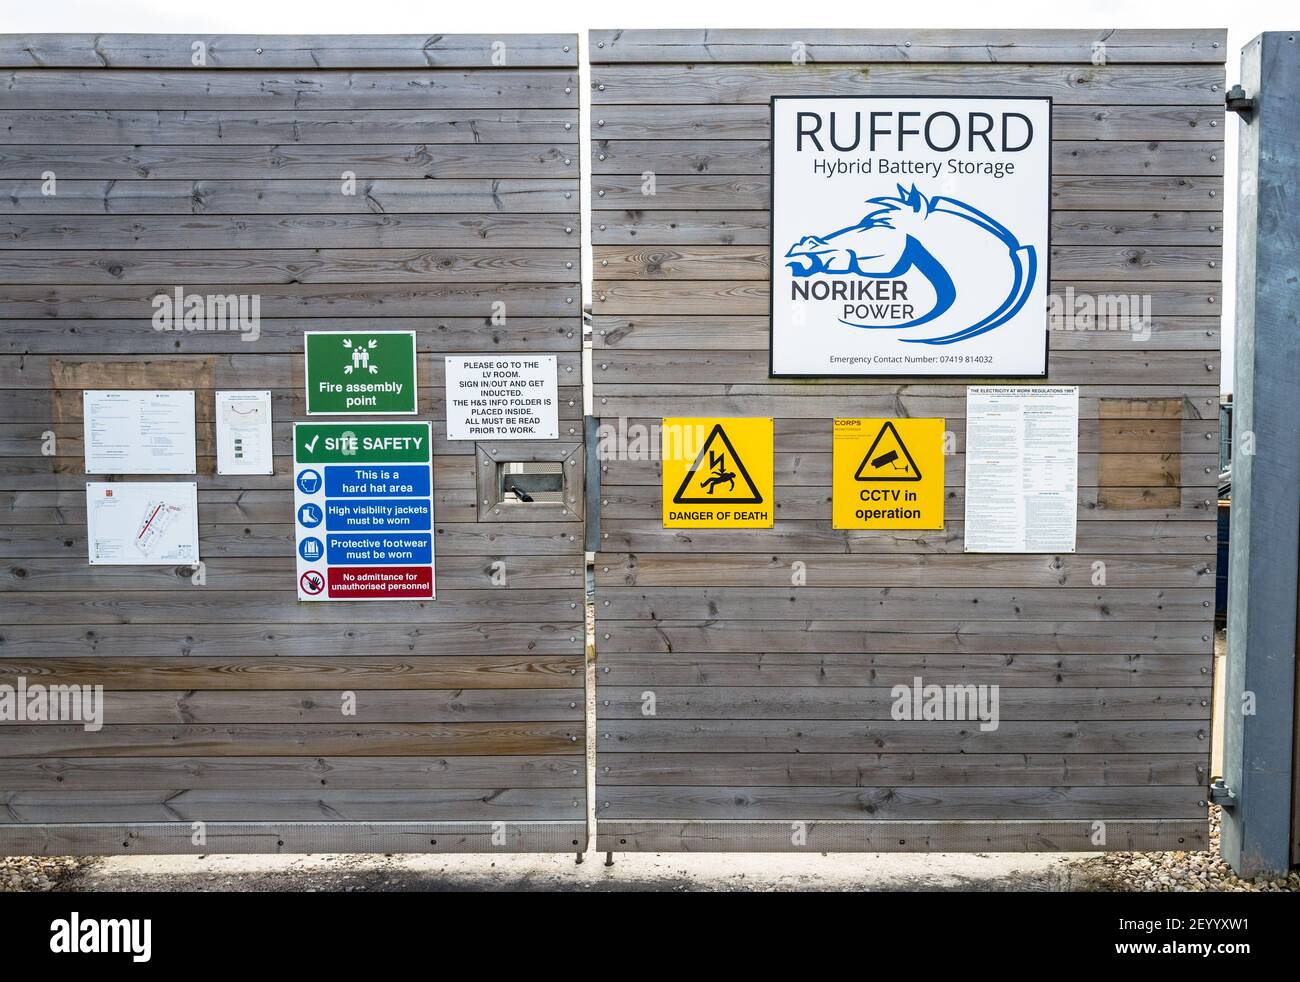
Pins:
<point x="1238" y="102"/>
<point x="1221" y="794"/>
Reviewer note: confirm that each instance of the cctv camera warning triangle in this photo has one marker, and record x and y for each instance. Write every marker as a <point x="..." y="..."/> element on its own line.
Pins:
<point x="718" y="476"/>
<point x="888" y="458"/>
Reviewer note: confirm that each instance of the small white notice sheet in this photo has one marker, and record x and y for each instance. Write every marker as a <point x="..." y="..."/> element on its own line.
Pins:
<point x="142" y="524"/>
<point x="503" y="397"/>
<point x="138" y="431"/>
<point x="1022" y="468"/>
<point x="244" y="433"/>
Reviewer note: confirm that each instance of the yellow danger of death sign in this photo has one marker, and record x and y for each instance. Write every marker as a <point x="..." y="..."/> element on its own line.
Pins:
<point x="887" y="473"/>
<point x="717" y="473"/>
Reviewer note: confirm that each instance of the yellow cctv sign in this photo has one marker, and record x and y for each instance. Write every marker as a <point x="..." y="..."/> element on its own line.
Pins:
<point x="887" y="473"/>
<point x="717" y="473"/>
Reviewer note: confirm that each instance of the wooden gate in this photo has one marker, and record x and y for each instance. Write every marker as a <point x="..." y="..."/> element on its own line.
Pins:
<point x="771" y="726"/>
<point x="134" y="165"/>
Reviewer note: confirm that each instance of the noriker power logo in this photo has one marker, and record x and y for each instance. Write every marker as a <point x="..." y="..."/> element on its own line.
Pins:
<point x="870" y="269"/>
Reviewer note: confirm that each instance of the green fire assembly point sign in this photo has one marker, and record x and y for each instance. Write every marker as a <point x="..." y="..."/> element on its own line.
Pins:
<point x="360" y="372"/>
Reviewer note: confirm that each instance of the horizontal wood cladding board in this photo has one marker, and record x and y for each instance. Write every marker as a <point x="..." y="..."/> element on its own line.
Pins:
<point x="726" y="228"/>
<point x="907" y="605"/>
<point x="289" y="50"/>
<point x="507" y="670"/>
<point x="337" y="643"/>
<point x="352" y="231"/>
<point x="705" y="84"/>
<point x="233" y="127"/>
<point x="660" y="569"/>
<point x="883" y="46"/>
<point x="703" y="332"/>
<point x="648" y="535"/>
<point x="754" y="122"/>
<point x="362" y="89"/>
<point x="309" y="739"/>
<point x="524" y="195"/>
<point x="259" y="162"/>
<point x="195" y="607"/>
<point x="353" y="805"/>
<point x="79" y="774"/>
<point x="909" y="836"/>
<point x="716" y="701"/>
<point x="755" y="157"/>
<point x="920" y="737"/>
<point x="860" y="770"/>
<point x="752" y="297"/>
<point x="753" y="262"/>
<point x="302" y="300"/>
<point x="287" y="838"/>
<point x="374" y="706"/>
<point x="445" y="335"/>
<point x="738" y="803"/>
<point x="708" y="192"/>
<point x="950" y="635"/>
<point x="1199" y="400"/>
<point x="792" y="670"/>
<point x="1132" y="366"/>
<point x="291" y="266"/>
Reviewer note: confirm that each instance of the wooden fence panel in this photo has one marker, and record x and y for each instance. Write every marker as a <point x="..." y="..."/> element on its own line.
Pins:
<point x="222" y="700"/>
<point x="770" y="726"/>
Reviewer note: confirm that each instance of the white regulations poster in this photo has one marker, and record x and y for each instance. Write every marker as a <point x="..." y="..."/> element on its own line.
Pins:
<point x="910" y="235"/>
<point x="244" y="433"/>
<point x="1022" y="468"/>
<point x="142" y="524"/>
<point x="503" y="397"/>
<point x="136" y="431"/>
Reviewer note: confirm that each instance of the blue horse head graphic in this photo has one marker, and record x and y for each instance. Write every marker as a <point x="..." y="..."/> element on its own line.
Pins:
<point x="892" y="240"/>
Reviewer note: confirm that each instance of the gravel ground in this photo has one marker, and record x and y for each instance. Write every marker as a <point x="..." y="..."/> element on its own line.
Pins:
<point x="1174" y="872"/>
<point x="38" y="874"/>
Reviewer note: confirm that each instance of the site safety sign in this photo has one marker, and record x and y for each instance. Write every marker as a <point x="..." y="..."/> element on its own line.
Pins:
<point x="363" y="510"/>
<point x="887" y="473"/>
<point x="361" y="373"/>
<point x="717" y="473"/>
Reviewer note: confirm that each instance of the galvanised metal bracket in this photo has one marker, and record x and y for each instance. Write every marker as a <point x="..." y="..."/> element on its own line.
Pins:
<point x="1221" y="794"/>
<point x="1238" y="102"/>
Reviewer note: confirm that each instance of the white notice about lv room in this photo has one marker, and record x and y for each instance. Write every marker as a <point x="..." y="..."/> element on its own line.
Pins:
<point x="502" y="397"/>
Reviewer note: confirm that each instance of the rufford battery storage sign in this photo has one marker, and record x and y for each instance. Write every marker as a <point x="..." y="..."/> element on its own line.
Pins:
<point x="910" y="235"/>
<point x="363" y="510"/>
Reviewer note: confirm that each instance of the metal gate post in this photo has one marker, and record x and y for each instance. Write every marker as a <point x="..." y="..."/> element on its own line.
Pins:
<point x="1260" y="686"/>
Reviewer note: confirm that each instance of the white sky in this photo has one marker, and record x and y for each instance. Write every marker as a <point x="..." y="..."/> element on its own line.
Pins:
<point x="1244" y="18"/>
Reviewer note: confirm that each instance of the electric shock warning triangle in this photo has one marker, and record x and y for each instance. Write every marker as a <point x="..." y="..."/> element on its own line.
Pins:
<point x="890" y="462"/>
<point x="724" y="469"/>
